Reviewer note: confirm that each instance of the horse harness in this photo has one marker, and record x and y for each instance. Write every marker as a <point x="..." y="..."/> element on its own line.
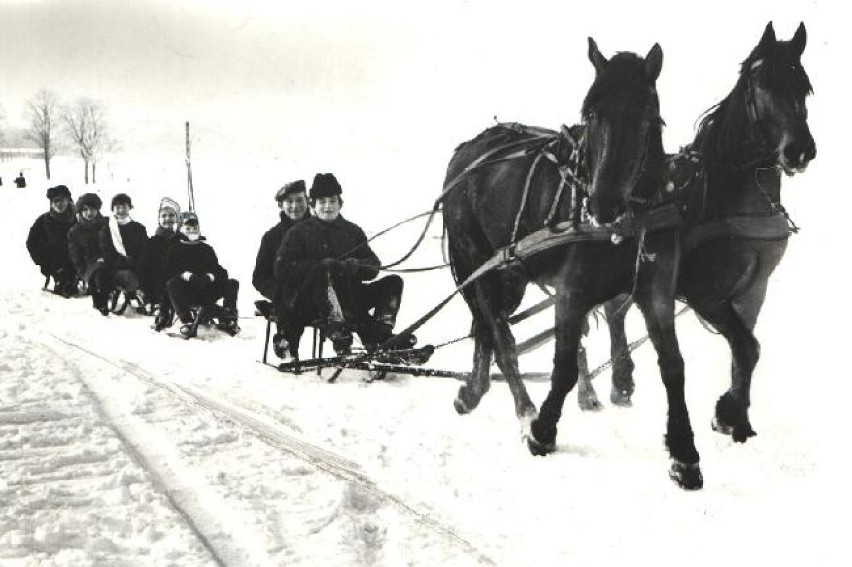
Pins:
<point x="774" y="226"/>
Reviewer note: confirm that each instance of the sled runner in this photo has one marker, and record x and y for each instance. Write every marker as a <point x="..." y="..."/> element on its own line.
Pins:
<point x="379" y="363"/>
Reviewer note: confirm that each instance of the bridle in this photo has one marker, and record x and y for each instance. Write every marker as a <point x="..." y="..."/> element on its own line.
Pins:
<point x="652" y="122"/>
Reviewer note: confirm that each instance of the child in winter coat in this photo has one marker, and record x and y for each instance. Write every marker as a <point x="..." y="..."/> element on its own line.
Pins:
<point x="85" y="250"/>
<point x="194" y="277"/>
<point x="152" y="277"/>
<point x="47" y="241"/>
<point x="122" y="242"/>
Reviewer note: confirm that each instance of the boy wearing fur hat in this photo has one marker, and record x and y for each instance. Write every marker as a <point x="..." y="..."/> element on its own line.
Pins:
<point x="85" y="250"/>
<point x="152" y="263"/>
<point x="195" y="277"/>
<point x="323" y="264"/>
<point x="47" y="241"/>
<point x="293" y="206"/>
<point x="122" y="241"/>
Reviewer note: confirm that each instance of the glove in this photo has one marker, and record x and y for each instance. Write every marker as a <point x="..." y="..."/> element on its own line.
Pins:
<point x="186" y="276"/>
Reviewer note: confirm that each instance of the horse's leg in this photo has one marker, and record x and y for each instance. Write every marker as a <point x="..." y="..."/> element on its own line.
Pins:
<point x="479" y="381"/>
<point x="587" y="398"/>
<point x="732" y="408"/>
<point x="654" y="296"/>
<point x="570" y="316"/>
<point x="492" y="294"/>
<point x="659" y="318"/>
<point x="622" y="364"/>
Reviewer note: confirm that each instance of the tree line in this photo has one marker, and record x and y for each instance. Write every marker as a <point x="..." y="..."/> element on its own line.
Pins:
<point x="80" y="126"/>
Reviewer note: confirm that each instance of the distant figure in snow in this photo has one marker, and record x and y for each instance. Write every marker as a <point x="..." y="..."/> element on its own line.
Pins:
<point x="122" y="242"/>
<point x="194" y="277"/>
<point x="47" y="241"/>
<point x="323" y="264"/>
<point x="20" y="182"/>
<point x="293" y="206"/>
<point x="152" y="264"/>
<point x="85" y="250"/>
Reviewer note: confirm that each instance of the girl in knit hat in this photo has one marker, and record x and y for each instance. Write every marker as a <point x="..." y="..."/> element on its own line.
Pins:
<point x="152" y="263"/>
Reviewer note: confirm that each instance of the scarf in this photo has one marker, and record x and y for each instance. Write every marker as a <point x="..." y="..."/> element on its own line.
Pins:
<point x="117" y="242"/>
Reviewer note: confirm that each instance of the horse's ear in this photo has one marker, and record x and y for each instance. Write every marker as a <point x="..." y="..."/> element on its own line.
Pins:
<point x="767" y="40"/>
<point x="595" y="56"/>
<point x="654" y="62"/>
<point x="800" y="39"/>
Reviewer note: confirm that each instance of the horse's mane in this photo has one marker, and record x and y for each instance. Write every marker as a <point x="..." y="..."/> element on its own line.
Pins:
<point x="722" y="126"/>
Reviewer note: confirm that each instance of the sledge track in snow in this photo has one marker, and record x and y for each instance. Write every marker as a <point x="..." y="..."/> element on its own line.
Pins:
<point x="227" y="541"/>
<point x="268" y="429"/>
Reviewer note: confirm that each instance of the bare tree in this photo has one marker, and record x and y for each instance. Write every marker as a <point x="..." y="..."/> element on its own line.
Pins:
<point x="86" y="124"/>
<point x="43" y="114"/>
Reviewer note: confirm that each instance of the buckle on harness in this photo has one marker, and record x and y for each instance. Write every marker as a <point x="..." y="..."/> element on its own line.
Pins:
<point x="509" y="255"/>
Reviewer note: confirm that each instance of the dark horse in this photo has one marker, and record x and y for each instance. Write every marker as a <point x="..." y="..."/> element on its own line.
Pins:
<point x="736" y="228"/>
<point x="489" y="208"/>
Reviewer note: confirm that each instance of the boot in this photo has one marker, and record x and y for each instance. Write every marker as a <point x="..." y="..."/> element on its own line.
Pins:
<point x="340" y="337"/>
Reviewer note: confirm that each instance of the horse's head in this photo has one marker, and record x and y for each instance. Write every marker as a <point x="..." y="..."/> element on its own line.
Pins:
<point x="775" y="87"/>
<point x="623" y="127"/>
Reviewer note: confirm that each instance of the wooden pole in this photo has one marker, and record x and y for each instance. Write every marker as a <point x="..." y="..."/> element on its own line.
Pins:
<point x="189" y="188"/>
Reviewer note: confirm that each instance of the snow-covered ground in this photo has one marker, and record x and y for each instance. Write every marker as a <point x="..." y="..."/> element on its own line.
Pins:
<point x="121" y="446"/>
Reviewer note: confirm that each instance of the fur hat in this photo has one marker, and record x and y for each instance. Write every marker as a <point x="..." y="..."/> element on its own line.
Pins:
<point x="121" y="198"/>
<point x="325" y="185"/>
<point x="58" y="191"/>
<point x="166" y="203"/>
<point x="289" y="189"/>
<point x="89" y="200"/>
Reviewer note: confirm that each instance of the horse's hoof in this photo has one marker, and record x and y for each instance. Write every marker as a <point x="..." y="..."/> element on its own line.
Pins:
<point x="463" y="404"/>
<point x="620" y="398"/>
<point x="589" y="403"/>
<point x="461" y="407"/>
<point x="742" y="433"/>
<point x="537" y="448"/>
<point x="720" y="427"/>
<point x="686" y="475"/>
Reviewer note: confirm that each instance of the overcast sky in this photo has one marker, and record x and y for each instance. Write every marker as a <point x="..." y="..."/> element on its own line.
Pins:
<point x="314" y="80"/>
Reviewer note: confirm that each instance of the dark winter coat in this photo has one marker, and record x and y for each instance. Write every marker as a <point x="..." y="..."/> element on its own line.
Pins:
<point x="47" y="241"/>
<point x="133" y="235"/>
<point x="197" y="257"/>
<point x="263" y="277"/>
<point x="151" y="267"/>
<point x="84" y="245"/>
<point x="309" y="242"/>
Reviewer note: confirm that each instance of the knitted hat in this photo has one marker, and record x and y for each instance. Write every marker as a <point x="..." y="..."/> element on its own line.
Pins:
<point x="166" y="203"/>
<point x="89" y="200"/>
<point x="289" y="189"/>
<point x="325" y="185"/>
<point x="121" y="198"/>
<point x="188" y="217"/>
<point x="58" y="191"/>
